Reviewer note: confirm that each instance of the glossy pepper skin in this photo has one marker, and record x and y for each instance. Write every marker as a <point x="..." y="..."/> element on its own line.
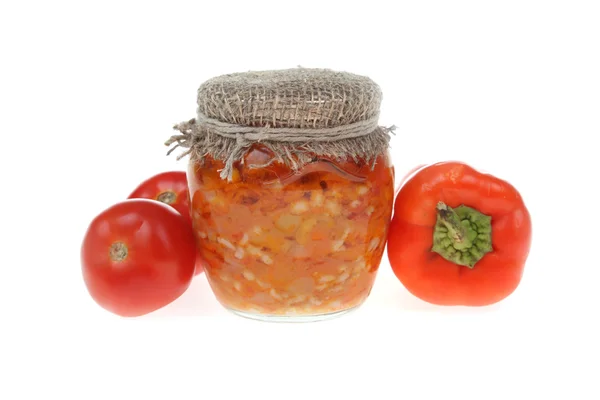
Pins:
<point x="458" y="236"/>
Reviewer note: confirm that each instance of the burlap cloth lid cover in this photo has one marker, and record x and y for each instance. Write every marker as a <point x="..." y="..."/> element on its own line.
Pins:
<point x="297" y="113"/>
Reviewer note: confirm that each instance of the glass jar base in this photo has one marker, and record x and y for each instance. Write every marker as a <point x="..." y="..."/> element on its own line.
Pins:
<point x="293" y="318"/>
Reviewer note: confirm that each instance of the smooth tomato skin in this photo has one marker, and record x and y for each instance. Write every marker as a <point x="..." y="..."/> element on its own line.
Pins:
<point x="159" y="265"/>
<point x="430" y="277"/>
<point x="171" y="181"/>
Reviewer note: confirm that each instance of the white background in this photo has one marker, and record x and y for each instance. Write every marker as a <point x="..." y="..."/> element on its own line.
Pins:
<point x="89" y="92"/>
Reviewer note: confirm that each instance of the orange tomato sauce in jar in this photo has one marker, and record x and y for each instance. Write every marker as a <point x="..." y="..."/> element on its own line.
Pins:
<point x="280" y="243"/>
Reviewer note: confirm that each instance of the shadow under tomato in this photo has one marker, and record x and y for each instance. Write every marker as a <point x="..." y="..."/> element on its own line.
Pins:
<point x="198" y="300"/>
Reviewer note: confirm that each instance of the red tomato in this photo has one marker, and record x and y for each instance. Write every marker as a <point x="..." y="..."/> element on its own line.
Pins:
<point x="170" y="188"/>
<point x="167" y="187"/>
<point x="137" y="256"/>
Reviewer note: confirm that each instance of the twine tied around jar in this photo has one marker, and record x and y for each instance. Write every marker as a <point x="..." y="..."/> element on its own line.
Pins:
<point x="296" y="113"/>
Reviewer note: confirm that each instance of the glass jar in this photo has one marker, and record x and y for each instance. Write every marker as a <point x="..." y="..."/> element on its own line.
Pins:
<point x="284" y="245"/>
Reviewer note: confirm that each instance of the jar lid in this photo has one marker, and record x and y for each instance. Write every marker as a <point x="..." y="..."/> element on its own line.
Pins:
<point x="297" y="113"/>
<point x="291" y="98"/>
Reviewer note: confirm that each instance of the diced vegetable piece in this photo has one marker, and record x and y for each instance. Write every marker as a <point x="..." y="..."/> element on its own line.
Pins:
<point x="271" y="239"/>
<point x="374" y="243"/>
<point x="333" y="208"/>
<point x="317" y="199"/>
<point x="218" y="205"/>
<point x="303" y="233"/>
<point x="302" y="285"/>
<point x="288" y="223"/>
<point x="300" y="207"/>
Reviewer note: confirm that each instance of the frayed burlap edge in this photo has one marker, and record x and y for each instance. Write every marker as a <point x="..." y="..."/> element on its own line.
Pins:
<point x="201" y="142"/>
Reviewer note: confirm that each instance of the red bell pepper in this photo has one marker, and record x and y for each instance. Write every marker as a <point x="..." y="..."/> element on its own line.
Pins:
<point x="458" y="236"/>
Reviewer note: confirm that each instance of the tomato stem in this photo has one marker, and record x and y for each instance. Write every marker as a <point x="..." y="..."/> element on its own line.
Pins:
<point x="462" y="235"/>
<point x="118" y="252"/>
<point x="167" y="197"/>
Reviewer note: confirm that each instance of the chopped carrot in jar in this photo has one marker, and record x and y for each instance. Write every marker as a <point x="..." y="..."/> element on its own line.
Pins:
<point x="280" y="242"/>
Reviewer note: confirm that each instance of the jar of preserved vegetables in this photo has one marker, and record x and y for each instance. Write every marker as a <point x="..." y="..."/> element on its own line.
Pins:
<point x="291" y="188"/>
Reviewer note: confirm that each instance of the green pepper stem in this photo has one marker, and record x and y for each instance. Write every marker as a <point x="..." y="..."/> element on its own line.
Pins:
<point x="452" y="222"/>
<point x="462" y="235"/>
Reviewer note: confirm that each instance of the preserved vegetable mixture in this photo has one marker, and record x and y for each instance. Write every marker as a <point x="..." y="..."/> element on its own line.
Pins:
<point x="283" y="243"/>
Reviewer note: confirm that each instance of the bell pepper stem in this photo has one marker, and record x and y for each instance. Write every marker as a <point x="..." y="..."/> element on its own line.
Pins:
<point x="462" y="235"/>
<point x="452" y="222"/>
